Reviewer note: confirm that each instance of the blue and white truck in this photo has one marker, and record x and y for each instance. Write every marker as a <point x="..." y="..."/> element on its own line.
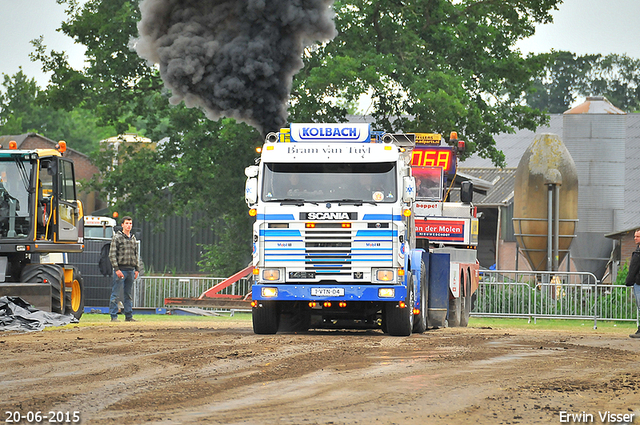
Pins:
<point x="335" y="241"/>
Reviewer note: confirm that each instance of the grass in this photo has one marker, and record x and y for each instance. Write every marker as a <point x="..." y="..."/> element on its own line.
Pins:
<point x="474" y="322"/>
<point x="552" y="324"/>
<point x="95" y="319"/>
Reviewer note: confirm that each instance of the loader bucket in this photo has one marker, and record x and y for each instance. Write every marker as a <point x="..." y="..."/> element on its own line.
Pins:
<point x="37" y="294"/>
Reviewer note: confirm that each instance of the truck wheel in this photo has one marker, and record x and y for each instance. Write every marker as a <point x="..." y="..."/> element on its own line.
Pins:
<point x="54" y="275"/>
<point x="265" y="318"/>
<point x="420" y="321"/>
<point x="75" y="297"/>
<point x="465" y="304"/>
<point x="400" y="320"/>
<point x="455" y="307"/>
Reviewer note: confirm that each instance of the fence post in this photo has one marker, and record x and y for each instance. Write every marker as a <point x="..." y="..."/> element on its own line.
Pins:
<point x="595" y="308"/>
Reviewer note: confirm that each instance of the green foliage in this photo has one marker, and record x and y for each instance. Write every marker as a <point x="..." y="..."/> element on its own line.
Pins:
<point x="622" y="274"/>
<point x="568" y="76"/>
<point x="199" y="170"/>
<point x="562" y="82"/>
<point x="22" y="110"/>
<point x="430" y="65"/>
<point x="427" y="65"/>
<point x="117" y="85"/>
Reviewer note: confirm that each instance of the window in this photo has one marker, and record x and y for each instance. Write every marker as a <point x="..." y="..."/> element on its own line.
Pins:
<point x="315" y="182"/>
<point x="67" y="188"/>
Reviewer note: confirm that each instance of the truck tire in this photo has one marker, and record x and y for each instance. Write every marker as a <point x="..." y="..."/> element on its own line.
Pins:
<point x="265" y="318"/>
<point x="420" y="321"/>
<point x="465" y="304"/>
<point x="54" y="275"/>
<point x="455" y="307"/>
<point x="400" y="320"/>
<point x="75" y="296"/>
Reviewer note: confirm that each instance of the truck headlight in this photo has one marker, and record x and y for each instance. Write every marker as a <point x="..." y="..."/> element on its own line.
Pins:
<point x="271" y="274"/>
<point x="385" y="275"/>
<point x="269" y="292"/>
<point x="386" y="292"/>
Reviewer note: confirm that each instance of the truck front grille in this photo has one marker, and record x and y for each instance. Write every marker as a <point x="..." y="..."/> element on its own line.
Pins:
<point x="329" y="252"/>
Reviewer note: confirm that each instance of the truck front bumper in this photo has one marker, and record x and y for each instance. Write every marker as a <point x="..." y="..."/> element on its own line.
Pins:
<point x="337" y="292"/>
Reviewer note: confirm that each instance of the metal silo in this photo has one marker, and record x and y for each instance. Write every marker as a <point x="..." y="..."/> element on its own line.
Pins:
<point x="595" y="134"/>
<point x="545" y="167"/>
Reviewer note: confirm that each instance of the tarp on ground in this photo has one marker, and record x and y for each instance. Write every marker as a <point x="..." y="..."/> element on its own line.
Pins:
<point x="18" y="315"/>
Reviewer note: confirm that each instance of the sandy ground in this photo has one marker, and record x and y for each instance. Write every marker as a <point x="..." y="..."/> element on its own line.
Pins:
<point x="221" y="373"/>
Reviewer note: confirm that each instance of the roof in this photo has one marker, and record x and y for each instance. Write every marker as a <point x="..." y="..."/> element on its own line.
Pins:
<point x="620" y="234"/>
<point x="20" y="138"/>
<point x="127" y="138"/>
<point x="514" y="145"/>
<point x="502" y="180"/>
<point x="596" y="105"/>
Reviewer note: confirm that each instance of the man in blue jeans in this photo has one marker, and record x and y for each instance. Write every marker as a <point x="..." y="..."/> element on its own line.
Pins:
<point x="124" y="260"/>
<point x="633" y="277"/>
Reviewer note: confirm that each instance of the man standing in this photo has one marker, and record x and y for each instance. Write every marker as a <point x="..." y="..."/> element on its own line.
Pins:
<point x="633" y="277"/>
<point x="124" y="260"/>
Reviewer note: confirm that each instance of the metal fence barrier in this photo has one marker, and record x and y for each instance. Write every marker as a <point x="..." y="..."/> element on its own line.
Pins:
<point x="552" y="295"/>
<point x="151" y="291"/>
<point x="501" y="293"/>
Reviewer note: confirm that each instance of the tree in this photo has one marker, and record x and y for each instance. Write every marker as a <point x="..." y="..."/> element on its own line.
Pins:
<point x="568" y="76"/>
<point x="617" y="77"/>
<point x="117" y="85"/>
<point x="22" y="110"/>
<point x="564" y="79"/>
<point x="199" y="170"/>
<point x="430" y="65"/>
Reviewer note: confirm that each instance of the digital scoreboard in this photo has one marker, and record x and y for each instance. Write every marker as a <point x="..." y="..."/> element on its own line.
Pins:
<point x="434" y="156"/>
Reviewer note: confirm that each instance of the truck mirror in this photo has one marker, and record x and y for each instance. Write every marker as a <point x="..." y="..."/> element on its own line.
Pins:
<point x="251" y="171"/>
<point x="251" y="191"/>
<point x="409" y="189"/>
<point x="466" y="192"/>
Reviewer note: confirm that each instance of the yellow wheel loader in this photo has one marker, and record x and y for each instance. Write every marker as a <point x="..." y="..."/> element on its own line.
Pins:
<point x="40" y="222"/>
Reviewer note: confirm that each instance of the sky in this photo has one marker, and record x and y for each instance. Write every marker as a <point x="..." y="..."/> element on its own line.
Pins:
<point x="580" y="26"/>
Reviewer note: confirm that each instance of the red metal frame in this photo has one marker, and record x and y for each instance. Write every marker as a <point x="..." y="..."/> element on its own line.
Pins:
<point x="213" y="291"/>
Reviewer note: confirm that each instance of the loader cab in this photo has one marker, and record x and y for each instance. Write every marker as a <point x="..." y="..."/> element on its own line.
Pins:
<point x="58" y="210"/>
<point x="16" y="221"/>
<point x="38" y="199"/>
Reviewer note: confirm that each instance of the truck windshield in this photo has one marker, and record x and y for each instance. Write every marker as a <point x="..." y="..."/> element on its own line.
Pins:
<point x="314" y="182"/>
<point x="98" y="232"/>
<point x="15" y="177"/>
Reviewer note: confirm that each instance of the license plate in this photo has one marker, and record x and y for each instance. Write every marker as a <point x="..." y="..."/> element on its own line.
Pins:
<point x="302" y="275"/>
<point x="327" y="292"/>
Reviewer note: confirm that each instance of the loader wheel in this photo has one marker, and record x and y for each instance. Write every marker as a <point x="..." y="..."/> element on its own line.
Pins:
<point x="400" y="320"/>
<point x="420" y="321"/>
<point x="75" y="295"/>
<point x="265" y="317"/>
<point x="52" y="274"/>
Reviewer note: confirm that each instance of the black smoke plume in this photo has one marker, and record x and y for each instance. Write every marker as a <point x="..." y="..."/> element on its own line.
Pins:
<point x="233" y="58"/>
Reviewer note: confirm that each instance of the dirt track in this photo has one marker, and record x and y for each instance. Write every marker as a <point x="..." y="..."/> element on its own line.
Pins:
<point x="221" y="373"/>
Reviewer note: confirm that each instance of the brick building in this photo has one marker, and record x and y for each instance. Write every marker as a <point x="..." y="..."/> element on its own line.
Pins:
<point x="84" y="169"/>
<point x="624" y="244"/>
